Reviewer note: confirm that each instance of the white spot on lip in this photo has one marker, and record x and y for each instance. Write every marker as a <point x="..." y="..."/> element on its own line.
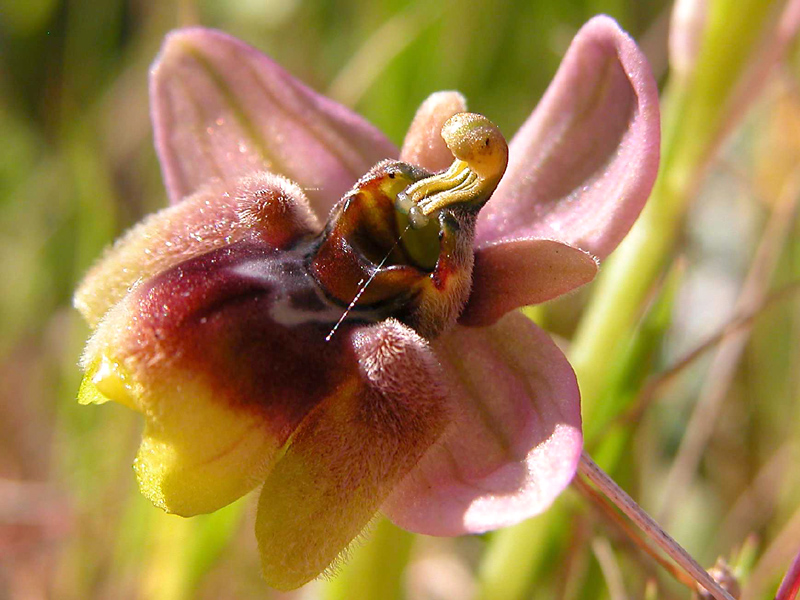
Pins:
<point x="283" y="309"/>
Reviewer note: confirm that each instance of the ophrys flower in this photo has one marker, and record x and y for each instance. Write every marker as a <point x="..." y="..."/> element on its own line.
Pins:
<point x="217" y="317"/>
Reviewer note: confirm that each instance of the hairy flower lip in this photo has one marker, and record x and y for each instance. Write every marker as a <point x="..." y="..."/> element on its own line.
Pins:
<point x="222" y="113"/>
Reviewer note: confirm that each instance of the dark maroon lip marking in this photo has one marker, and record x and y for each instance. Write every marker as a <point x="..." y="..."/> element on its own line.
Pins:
<point x="228" y="316"/>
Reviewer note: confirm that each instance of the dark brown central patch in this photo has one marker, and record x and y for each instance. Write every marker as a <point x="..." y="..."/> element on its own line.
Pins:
<point x="249" y="320"/>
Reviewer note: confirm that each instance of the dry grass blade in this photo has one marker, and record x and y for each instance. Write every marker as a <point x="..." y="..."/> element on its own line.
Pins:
<point x="759" y="501"/>
<point x="773" y="559"/>
<point x="631" y="533"/>
<point x="589" y="469"/>
<point x="657" y="382"/>
<point x="723" y="367"/>
<point x="610" y="568"/>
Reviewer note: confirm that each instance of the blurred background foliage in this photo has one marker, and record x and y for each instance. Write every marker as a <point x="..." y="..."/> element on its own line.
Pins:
<point x="77" y="167"/>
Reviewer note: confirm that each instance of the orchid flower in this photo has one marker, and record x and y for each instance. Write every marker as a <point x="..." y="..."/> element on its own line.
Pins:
<point x="373" y="362"/>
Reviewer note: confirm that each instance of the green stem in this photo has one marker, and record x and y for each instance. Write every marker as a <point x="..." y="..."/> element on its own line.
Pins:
<point x="513" y="555"/>
<point x="183" y="550"/>
<point x="374" y="570"/>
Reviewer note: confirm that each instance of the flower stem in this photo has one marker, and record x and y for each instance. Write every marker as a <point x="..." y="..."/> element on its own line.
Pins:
<point x="589" y="469"/>
<point x="375" y="566"/>
<point x="609" y="511"/>
<point x="511" y="558"/>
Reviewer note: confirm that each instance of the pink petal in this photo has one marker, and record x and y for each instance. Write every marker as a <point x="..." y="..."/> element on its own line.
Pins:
<point x="583" y="164"/>
<point x="221" y="110"/>
<point x="424" y="145"/>
<point x="522" y="272"/>
<point x="516" y="437"/>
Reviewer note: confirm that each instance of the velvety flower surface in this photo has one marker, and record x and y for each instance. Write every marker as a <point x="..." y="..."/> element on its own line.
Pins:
<point x="218" y="317"/>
